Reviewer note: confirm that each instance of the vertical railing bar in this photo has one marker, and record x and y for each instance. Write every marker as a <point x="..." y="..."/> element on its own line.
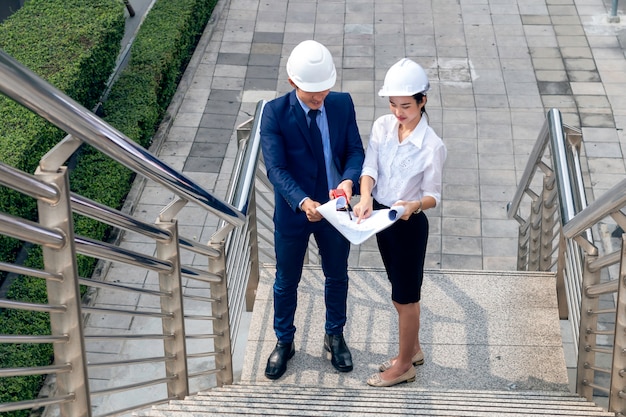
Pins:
<point x="618" y="369"/>
<point x="67" y="293"/>
<point x="253" y="262"/>
<point x="223" y="362"/>
<point x="171" y="283"/>
<point x="560" y="164"/>
<point x="547" y="226"/>
<point x="613" y="17"/>
<point x="587" y="339"/>
<point x="534" y="236"/>
<point x="561" y="281"/>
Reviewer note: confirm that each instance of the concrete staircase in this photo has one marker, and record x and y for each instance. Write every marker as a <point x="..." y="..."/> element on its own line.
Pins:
<point x="492" y="343"/>
<point x="291" y="400"/>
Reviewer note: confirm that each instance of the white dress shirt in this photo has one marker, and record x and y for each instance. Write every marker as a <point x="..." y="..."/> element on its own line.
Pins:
<point x="405" y="171"/>
<point x="332" y="174"/>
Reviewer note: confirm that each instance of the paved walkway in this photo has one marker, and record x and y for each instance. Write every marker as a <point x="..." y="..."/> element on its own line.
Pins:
<point x="495" y="66"/>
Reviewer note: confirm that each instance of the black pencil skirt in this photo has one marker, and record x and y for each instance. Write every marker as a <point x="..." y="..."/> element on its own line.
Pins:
<point x="403" y="250"/>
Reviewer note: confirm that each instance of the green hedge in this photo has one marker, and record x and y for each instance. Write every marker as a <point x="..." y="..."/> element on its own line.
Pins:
<point x="74" y="47"/>
<point x="163" y="48"/>
<point x="135" y="106"/>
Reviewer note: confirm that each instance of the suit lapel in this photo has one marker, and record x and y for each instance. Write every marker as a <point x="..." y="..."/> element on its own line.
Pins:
<point x="300" y="118"/>
<point x="333" y="117"/>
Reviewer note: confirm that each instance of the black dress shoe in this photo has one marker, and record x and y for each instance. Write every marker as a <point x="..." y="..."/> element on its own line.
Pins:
<point x="340" y="355"/>
<point x="277" y="362"/>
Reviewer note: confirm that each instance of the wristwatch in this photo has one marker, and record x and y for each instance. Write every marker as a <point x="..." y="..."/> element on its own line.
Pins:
<point x="419" y="209"/>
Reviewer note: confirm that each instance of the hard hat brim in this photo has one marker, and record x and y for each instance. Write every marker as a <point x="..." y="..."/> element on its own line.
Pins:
<point x="384" y="93"/>
<point x="316" y="87"/>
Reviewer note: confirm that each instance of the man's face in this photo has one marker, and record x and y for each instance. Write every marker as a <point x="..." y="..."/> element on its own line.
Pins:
<point x="313" y="100"/>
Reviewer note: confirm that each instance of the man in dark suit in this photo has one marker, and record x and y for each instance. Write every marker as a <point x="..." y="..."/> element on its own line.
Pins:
<point x="311" y="144"/>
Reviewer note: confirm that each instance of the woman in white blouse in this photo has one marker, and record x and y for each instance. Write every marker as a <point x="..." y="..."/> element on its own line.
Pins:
<point x="403" y="167"/>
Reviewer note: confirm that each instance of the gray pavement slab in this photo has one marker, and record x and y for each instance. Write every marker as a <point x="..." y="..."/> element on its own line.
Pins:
<point x="495" y="68"/>
<point x="479" y="330"/>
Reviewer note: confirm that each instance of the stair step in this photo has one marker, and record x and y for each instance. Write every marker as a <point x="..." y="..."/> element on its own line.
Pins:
<point x="318" y="401"/>
<point x="497" y="333"/>
<point x="479" y="330"/>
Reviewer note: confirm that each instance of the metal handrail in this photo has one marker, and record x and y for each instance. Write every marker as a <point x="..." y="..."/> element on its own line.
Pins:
<point x="210" y="307"/>
<point x="26" y="88"/>
<point x="580" y="263"/>
<point x="613" y="18"/>
<point x="609" y="202"/>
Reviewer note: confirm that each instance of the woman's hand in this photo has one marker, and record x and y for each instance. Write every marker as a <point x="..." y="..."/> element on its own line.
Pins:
<point x="408" y="209"/>
<point x="364" y="208"/>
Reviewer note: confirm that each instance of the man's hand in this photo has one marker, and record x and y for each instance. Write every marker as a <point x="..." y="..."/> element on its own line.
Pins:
<point x="309" y="207"/>
<point x="346" y="187"/>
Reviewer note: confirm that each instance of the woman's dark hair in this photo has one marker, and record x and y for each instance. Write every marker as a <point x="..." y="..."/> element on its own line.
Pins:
<point x="419" y="97"/>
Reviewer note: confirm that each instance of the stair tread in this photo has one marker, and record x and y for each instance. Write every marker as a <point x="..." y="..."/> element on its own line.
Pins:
<point x="397" y="390"/>
<point x="279" y="400"/>
<point x="315" y="403"/>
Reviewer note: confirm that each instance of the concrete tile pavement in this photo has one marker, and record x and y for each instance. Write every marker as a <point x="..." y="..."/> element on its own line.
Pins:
<point x="473" y="333"/>
<point x="495" y="66"/>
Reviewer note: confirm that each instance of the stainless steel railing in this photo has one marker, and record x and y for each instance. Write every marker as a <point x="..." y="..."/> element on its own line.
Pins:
<point x="264" y="196"/>
<point x="613" y="17"/>
<point x="556" y="233"/>
<point x="192" y="310"/>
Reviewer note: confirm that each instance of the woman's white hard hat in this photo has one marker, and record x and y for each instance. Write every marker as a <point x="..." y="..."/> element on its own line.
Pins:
<point x="405" y="78"/>
<point x="310" y="66"/>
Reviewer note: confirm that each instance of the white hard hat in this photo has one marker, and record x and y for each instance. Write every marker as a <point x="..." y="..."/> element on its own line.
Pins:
<point x="310" y="66"/>
<point x="405" y="78"/>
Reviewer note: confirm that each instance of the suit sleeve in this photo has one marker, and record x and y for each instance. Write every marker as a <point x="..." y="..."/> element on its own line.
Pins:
<point x="275" y="156"/>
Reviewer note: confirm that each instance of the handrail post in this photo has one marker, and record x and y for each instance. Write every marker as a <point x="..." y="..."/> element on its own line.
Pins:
<point x="586" y="336"/>
<point x="534" y="235"/>
<point x="248" y="138"/>
<point x="561" y="290"/>
<point x="613" y="17"/>
<point x="221" y="326"/>
<point x="522" y="246"/>
<point x="66" y="293"/>
<point x="616" y="402"/>
<point x="253" y="279"/>
<point x="548" y="208"/>
<point x="172" y="283"/>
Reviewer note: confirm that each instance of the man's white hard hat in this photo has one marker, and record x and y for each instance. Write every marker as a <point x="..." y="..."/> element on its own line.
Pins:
<point x="310" y="66"/>
<point x="405" y="78"/>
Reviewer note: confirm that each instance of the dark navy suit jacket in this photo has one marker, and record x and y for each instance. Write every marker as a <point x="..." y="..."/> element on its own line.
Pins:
<point x="290" y="159"/>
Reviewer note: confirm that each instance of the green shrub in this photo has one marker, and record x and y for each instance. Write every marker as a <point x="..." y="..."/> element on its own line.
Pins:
<point x="75" y="48"/>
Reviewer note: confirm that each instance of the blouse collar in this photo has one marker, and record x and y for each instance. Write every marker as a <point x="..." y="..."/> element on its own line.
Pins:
<point x="417" y="135"/>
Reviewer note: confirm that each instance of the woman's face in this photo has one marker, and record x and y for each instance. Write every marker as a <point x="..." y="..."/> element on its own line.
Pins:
<point x="407" y="110"/>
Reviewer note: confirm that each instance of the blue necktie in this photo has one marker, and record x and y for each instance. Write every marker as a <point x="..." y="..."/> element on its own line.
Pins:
<point x="318" y="147"/>
<point x="332" y="175"/>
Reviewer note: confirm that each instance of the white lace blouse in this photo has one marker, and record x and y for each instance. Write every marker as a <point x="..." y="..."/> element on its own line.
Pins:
<point x="406" y="171"/>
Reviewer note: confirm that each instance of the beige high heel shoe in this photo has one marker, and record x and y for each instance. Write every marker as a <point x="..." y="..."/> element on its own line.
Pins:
<point x="418" y="359"/>
<point x="376" y="380"/>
